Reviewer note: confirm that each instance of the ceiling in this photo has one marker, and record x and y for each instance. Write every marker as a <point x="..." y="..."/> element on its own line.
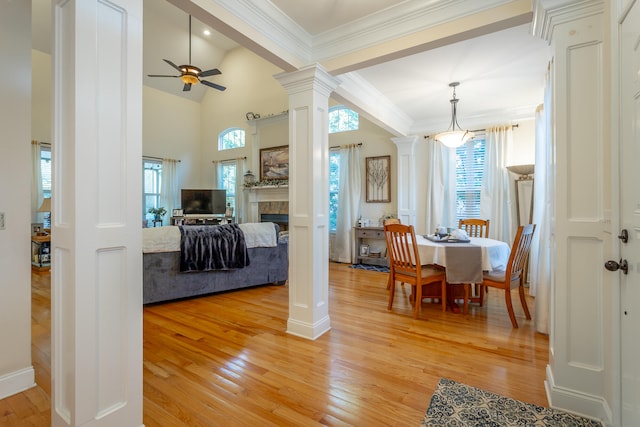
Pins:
<point x="501" y="74"/>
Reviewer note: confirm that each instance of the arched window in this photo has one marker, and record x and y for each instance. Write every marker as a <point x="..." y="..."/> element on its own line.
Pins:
<point x="231" y="138"/>
<point x="342" y="119"/>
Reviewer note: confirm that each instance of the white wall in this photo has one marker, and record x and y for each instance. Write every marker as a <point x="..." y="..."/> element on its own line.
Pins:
<point x="171" y="129"/>
<point x="16" y="372"/>
<point x="250" y="87"/>
<point x="41" y="97"/>
<point x="375" y="142"/>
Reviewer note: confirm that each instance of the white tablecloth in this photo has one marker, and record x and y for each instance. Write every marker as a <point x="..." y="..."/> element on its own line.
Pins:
<point x="495" y="254"/>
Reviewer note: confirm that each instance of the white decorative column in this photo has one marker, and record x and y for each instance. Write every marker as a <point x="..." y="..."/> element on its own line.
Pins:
<point x="406" y="182"/>
<point x="581" y="350"/>
<point x="309" y="90"/>
<point x="96" y="276"/>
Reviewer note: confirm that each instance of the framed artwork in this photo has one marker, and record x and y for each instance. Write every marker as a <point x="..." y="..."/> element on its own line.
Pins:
<point x="178" y="212"/>
<point x="274" y="163"/>
<point x="378" y="182"/>
<point x="36" y="228"/>
<point x="364" y="250"/>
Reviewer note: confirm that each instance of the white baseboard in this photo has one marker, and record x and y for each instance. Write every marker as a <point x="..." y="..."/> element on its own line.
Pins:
<point x="577" y="402"/>
<point x="16" y="382"/>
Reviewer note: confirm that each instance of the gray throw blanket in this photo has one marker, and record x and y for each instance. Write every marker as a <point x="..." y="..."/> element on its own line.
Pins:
<point x="212" y="247"/>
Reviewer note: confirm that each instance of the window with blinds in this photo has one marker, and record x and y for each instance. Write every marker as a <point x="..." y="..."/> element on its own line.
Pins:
<point x="470" y="159"/>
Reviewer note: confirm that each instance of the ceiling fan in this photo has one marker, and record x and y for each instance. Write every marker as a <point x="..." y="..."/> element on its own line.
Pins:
<point x="190" y="74"/>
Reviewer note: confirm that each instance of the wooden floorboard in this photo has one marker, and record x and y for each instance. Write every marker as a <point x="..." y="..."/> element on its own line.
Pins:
<point x="226" y="359"/>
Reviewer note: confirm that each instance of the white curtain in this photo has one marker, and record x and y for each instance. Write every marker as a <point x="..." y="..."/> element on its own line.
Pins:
<point x="497" y="198"/>
<point x="169" y="191"/>
<point x="240" y="201"/>
<point x="540" y="259"/>
<point x="441" y="186"/>
<point x="36" y="182"/>
<point x="349" y="196"/>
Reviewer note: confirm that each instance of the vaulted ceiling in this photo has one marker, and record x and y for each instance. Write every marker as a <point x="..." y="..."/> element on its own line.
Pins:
<point x="395" y="57"/>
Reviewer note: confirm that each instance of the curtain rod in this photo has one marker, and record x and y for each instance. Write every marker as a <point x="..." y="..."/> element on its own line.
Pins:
<point x="340" y="146"/>
<point x="158" y="158"/>
<point x="226" y="160"/>
<point x="476" y="130"/>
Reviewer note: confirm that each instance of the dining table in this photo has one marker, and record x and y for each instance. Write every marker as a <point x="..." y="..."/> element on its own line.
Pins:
<point x="494" y="254"/>
<point x="464" y="261"/>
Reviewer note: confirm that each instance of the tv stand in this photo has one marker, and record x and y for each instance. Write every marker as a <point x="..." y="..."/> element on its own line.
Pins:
<point x="201" y="220"/>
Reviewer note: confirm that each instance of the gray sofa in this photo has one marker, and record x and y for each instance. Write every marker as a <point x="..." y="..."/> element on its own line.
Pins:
<point x="163" y="281"/>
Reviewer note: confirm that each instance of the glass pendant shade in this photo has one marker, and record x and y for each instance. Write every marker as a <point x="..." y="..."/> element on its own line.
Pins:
<point x="453" y="137"/>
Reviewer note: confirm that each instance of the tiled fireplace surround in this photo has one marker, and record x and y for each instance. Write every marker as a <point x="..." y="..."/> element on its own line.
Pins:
<point x="269" y="204"/>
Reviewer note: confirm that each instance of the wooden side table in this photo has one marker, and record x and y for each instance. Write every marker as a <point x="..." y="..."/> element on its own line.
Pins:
<point x="371" y="247"/>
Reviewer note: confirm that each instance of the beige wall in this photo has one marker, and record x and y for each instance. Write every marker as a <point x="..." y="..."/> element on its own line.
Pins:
<point x="41" y="96"/>
<point x="16" y="372"/>
<point x="171" y="128"/>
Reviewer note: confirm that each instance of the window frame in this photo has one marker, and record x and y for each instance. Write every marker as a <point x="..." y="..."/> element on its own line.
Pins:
<point x="222" y="137"/>
<point x="233" y="198"/>
<point x="157" y="183"/>
<point x="470" y="162"/>
<point x="343" y="124"/>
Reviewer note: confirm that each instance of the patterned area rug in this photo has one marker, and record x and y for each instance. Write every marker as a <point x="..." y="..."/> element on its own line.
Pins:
<point x="379" y="268"/>
<point x="456" y="404"/>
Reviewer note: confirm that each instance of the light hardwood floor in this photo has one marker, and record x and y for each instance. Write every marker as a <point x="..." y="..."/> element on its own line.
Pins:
<point x="226" y="359"/>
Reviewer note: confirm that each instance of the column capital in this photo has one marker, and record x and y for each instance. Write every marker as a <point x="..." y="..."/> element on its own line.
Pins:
<point x="313" y="76"/>
<point x="405" y="142"/>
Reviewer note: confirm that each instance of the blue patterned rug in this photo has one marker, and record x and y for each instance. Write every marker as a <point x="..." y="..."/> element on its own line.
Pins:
<point x="379" y="268"/>
<point x="456" y="404"/>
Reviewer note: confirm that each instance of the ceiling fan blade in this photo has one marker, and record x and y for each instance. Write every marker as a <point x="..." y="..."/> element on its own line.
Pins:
<point x="172" y="64"/>
<point x="160" y="75"/>
<point x="212" y="72"/>
<point x="187" y="87"/>
<point x="213" y="85"/>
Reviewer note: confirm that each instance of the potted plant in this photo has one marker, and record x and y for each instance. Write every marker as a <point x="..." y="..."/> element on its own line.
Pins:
<point x="158" y="213"/>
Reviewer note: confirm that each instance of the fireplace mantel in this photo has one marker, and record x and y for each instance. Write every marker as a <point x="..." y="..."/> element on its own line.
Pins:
<point x="264" y="193"/>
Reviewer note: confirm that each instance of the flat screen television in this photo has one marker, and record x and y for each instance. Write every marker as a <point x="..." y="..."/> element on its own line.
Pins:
<point x="203" y="202"/>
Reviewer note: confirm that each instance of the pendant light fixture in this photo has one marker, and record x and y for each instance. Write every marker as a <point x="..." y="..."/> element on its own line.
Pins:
<point x="453" y="137"/>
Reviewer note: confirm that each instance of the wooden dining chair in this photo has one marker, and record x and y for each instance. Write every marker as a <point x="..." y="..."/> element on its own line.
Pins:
<point x="475" y="227"/>
<point x="405" y="266"/>
<point x="386" y="222"/>
<point x="513" y="276"/>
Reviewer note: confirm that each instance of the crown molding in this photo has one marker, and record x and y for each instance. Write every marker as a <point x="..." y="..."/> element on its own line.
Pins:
<point x="355" y="91"/>
<point x="407" y="18"/>
<point x="548" y="14"/>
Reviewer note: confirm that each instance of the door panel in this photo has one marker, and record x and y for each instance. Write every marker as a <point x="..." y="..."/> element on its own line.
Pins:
<point x="630" y="211"/>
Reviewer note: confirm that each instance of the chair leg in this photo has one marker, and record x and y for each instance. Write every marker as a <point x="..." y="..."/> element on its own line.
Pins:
<point x="392" y="291"/>
<point x="481" y="299"/>
<point x="512" y="316"/>
<point x="523" y="301"/>
<point x="417" y="302"/>
<point x="443" y="294"/>
<point x="389" y="281"/>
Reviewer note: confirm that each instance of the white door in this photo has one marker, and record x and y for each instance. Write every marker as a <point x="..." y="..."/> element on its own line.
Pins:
<point x="630" y="212"/>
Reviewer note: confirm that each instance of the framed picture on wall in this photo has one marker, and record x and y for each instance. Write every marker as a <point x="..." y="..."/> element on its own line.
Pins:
<point x="274" y="163"/>
<point x="378" y="179"/>
<point x="178" y="212"/>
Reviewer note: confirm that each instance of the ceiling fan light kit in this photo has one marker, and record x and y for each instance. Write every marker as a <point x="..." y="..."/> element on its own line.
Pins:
<point x="190" y="74"/>
<point x="451" y="137"/>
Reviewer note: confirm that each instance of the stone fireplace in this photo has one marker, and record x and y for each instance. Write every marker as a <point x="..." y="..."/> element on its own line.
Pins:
<point x="277" y="212"/>
<point x="269" y="204"/>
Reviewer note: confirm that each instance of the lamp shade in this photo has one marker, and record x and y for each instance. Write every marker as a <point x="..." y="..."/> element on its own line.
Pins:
<point x="46" y="205"/>
<point x="454" y="138"/>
